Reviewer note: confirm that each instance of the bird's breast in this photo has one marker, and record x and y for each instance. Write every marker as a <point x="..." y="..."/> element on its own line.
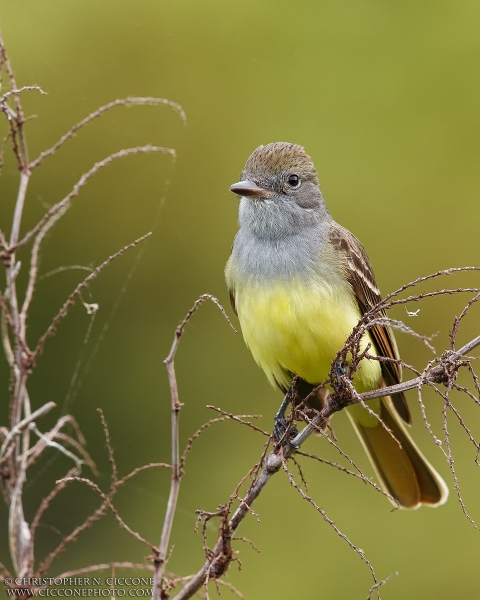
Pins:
<point x="297" y="327"/>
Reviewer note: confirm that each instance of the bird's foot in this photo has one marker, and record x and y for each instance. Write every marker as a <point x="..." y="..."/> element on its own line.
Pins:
<point x="340" y="371"/>
<point x="283" y="431"/>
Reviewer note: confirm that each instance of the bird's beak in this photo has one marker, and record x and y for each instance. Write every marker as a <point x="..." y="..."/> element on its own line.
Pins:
<point x="250" y="189"/>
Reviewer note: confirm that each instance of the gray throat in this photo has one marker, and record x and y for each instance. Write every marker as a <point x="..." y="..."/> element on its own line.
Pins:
<point x="274" y="244"/>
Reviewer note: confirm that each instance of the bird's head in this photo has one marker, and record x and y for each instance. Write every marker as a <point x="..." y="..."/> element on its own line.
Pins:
<point x="279" y="189"/>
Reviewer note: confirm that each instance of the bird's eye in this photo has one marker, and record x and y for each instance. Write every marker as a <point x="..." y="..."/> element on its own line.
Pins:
<point x="294" y="180"/>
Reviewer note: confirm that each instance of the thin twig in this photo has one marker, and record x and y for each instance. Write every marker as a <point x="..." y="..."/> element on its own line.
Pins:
<point x="103" y="567"/>
<point x="70" y="300"/>
<point x="107" y="498"/>
<point x="98" y="513"/>
<point x="82" y="181"/>
<point x="435" y="374"/>
<point x="25" y="88"/>
<point x="160" y="559"/>
<point x="43" y="410"/>
<point x="59" y="486"/>
<point x="374" y="588"/>
<point x="59" y="209"/>
<point x="274" y="461"/>
<point x="52" y="444"/>
<point x="140" y="469"/>
<point x="326" y="518"/>
<point x="39" y="447"/>
<point x="240" y="419"/>
<point x="97" y="113"/>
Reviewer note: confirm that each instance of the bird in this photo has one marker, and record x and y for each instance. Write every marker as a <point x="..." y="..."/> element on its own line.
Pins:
<point x="299" y="283"/>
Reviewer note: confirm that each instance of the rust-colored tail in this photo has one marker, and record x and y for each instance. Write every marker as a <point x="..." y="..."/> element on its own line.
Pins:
<point x="403" y="472"/>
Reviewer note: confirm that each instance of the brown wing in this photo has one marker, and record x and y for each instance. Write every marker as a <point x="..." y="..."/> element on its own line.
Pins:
<point x="361" y="278"/>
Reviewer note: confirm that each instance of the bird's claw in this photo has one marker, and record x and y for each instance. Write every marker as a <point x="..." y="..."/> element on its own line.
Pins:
<point x="340" y="371"/>
<point x="284" y="432"/>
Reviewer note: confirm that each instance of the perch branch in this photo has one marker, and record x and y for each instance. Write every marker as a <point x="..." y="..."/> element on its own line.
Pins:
<point x="273" y="462"/>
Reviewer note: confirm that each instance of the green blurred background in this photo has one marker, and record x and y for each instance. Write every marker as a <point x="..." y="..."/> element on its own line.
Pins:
<point x="385" y="97"/>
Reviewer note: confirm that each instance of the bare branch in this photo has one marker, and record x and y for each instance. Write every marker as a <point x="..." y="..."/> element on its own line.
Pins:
<point x="83" y="180"/>
<point x="180" y="329"/>
<point x="5" y="572"/>
<point x="379" y="584"/>
<point x="451" y="462"/>
<point x="359" y="475"/>
<point x="272" y="464"/>
<point x="70" y="300"/>
<point x="42" y="508"/>
<point x="16" y="455"/>
<point x="424" y="278"/>
<point x="8" y="320"/>
<point x="140" y="469"/>
<point x="103" y="567"/>
<point x="100" y="511"/>
<point x="107" y="501"/>
<point x="111" y="457"/>
<point x="274" y="461"/>
<point x="326" y="518"/>
<point x="241" y="419"/>
<point x="39" y="447"/>
<point x="59" y="209"/>
<point x="434" y="375"/>
<point x="16" y="118"/>
<point x="24" y="423"/>
<point x="52" y="444"/>
<point x="97" y="113"/>
<point x="86" y="458"/>
<point x="25" y="88"/>
<point x="160" y="559"/>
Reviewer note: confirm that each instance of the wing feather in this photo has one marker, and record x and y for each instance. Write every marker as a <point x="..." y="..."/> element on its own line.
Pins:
<point x="360" y="276"/>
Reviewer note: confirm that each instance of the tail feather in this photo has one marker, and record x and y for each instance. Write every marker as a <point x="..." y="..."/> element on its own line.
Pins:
<point x="403" y="472"/>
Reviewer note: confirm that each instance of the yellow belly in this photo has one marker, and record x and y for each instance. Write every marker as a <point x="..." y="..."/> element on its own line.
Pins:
<point x="299" y="328"/>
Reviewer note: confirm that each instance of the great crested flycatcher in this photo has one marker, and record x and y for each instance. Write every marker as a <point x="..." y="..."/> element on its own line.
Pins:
<point x="299" y="283"/>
